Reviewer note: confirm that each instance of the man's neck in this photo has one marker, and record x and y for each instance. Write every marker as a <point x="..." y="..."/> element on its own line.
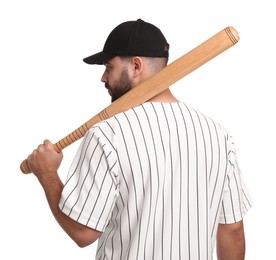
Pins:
<point x="165" y="97"/>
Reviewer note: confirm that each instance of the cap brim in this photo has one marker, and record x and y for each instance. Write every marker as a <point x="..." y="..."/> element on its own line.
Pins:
<point x="99" y="58"/>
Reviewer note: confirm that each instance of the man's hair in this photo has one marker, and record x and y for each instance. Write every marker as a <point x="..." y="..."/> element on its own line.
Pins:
<point x="153" y="63"/>
<point x="156" y="64"/>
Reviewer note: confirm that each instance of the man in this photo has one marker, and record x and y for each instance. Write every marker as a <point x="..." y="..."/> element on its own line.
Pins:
<point x="159" y="181"/>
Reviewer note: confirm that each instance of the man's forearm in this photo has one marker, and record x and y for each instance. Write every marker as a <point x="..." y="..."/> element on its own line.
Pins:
<point x="44" y="163"/>
<point x="53" y="191"/>
<point x="82" y="235"/>
<point x="231" y="242"/>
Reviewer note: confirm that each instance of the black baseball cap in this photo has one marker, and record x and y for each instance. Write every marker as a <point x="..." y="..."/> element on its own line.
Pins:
<point x="132" y="38"/>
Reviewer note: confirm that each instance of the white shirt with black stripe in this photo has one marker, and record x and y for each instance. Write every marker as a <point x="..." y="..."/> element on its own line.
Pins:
<point x="156" y="180"/>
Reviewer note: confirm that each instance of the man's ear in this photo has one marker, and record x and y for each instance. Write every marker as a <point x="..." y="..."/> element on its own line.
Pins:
<point x="137" y="66"/>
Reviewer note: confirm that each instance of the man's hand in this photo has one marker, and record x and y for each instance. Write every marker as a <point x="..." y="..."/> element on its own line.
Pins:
<point x="45" y="161"/>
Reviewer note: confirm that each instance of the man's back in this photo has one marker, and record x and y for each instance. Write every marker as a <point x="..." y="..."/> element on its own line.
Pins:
<point x="171" y="176"/>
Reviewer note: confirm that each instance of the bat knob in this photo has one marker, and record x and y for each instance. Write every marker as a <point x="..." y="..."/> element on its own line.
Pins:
<point x="24" y="167"/>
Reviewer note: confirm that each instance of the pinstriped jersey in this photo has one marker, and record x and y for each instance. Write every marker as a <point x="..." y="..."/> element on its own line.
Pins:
<point x="156" y="180"/>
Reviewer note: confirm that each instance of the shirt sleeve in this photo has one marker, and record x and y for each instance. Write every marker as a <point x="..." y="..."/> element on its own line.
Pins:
<point x="236" y="199"/>
<point x="92" y="184"/>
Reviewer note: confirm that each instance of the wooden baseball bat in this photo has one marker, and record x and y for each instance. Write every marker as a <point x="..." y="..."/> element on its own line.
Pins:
<point x="156" y="84"/>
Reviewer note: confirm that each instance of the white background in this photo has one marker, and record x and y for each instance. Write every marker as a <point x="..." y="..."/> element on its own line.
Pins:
<point x="47" y="92"/>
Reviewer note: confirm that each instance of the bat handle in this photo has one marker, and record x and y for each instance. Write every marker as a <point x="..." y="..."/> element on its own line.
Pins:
<point x="71" y="138"/>
<point x="60" y="145"/>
